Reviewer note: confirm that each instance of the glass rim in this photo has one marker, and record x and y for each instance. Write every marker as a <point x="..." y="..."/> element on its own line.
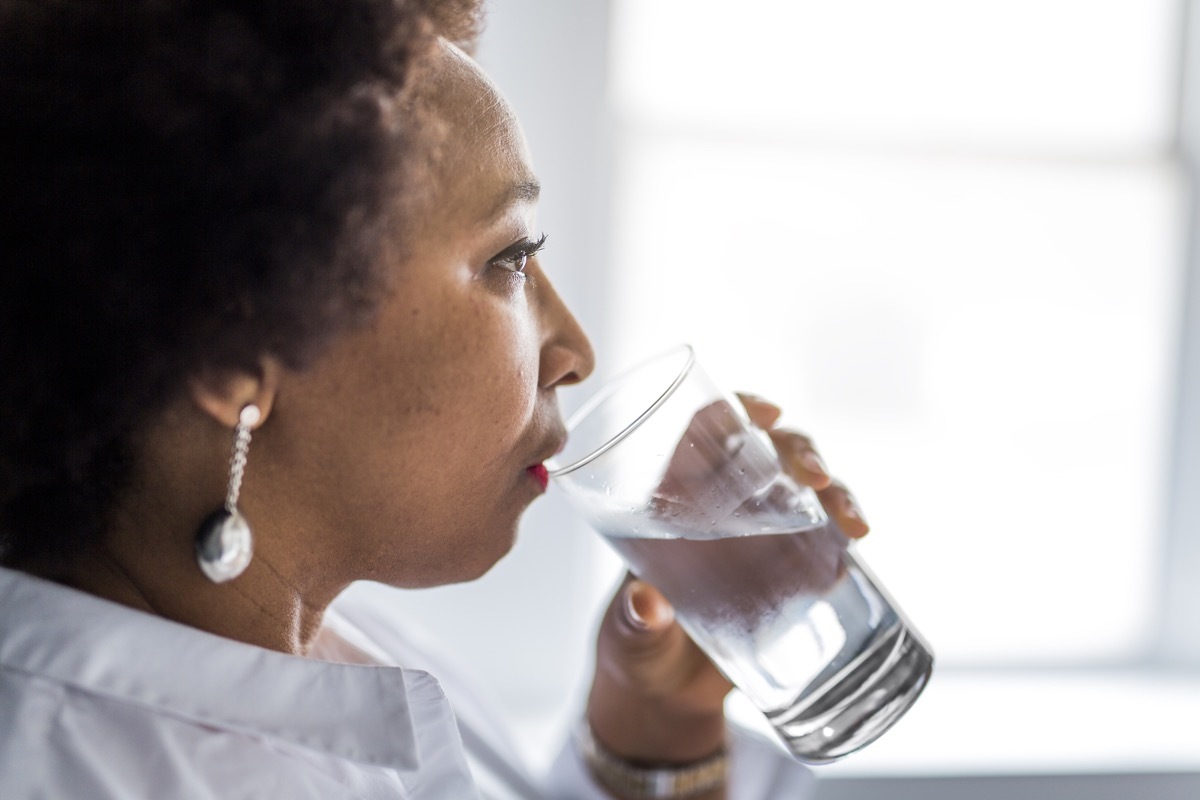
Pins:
<point x="609" y="388"/>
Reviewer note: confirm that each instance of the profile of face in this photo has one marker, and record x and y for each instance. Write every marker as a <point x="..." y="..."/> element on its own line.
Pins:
<point x="408" y="451"/>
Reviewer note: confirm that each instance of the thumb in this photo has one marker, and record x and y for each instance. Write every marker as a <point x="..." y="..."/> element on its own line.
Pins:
<point x="643" y="650"/>
<point x="641" y="644"/>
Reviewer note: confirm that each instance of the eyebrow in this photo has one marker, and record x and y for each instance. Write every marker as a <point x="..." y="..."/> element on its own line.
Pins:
<point x="524" y="192"/>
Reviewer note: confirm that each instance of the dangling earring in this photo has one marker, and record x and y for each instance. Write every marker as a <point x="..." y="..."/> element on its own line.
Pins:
<point x="224" y="543"/>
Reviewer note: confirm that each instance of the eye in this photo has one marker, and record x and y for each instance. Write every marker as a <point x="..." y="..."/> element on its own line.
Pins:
<point x="516" y="256"/>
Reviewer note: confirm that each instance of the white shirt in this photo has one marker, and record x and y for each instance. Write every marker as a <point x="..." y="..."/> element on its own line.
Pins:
<point x="102" y="701"/>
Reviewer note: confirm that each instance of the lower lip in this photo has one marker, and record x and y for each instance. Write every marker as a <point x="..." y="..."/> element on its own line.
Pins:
<point x="540" y="474"/>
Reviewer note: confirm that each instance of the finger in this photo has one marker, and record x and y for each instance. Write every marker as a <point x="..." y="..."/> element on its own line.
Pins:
<point x="800" y="459"/>
<point x="763" y="413"/>
<point x="840" y="504"/>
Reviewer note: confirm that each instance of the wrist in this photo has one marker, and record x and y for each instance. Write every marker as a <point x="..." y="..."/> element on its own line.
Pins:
<point x="650" y="731"/>
<point x="633" y="780"/>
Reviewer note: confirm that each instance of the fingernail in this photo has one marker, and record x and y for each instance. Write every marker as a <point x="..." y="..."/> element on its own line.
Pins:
<point x="813" y="463"/>
<point x="645" y="611"/>
<point x="631" y="609"/>
<point x="854" y="512"/>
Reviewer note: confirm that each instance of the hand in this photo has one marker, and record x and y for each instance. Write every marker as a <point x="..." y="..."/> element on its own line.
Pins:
<point x="802" y="461"/>
<point x="656" y="698"/>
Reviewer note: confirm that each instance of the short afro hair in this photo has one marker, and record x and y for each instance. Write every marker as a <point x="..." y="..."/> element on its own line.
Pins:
<point x="183" y="184"/>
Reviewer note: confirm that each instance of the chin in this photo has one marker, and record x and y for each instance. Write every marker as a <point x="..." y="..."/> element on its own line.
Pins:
<point x="483" y="555"/>
<point x="506" y="546"/>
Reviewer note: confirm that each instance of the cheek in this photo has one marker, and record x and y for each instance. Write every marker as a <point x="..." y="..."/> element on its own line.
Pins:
<point x="482" y="376"/>
<point x="498" y="375"/>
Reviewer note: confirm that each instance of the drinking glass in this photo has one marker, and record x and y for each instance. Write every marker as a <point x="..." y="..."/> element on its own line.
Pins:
<point x="668" y="468"/>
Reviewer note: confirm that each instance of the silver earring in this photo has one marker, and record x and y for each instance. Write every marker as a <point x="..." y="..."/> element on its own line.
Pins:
<point x="224" y="544"/>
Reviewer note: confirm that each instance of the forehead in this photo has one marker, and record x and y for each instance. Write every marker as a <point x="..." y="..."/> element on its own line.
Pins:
<point x="481" y="152"/>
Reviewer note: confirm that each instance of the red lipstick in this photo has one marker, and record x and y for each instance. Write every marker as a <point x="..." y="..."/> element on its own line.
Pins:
<point x="540" y="474"/>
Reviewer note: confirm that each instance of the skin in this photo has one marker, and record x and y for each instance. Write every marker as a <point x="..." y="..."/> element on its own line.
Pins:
<point x="403" y="453"/>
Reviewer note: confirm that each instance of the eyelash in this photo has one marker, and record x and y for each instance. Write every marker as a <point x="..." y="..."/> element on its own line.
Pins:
<point x="515" y="257"/>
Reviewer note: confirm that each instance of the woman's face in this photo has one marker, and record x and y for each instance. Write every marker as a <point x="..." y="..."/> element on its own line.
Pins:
<point x="408" y="452"/>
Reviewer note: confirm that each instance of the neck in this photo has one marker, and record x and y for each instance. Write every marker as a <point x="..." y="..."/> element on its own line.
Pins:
<point x="262" y="606"/>
<point x="146" y="558"/>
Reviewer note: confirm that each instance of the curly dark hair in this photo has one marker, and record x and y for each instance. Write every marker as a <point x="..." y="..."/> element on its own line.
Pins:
<point x="184" y="184"/>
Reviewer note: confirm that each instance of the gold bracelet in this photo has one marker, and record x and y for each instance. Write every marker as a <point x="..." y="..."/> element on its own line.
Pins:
<point x="649" y="783"/>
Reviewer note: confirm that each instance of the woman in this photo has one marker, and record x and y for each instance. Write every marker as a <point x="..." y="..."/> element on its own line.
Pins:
<point x="305" y="230"/>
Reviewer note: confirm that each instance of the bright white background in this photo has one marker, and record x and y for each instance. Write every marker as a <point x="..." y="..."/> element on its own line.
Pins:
<point x="952" y="240"/>
<point x="948" y="237"/>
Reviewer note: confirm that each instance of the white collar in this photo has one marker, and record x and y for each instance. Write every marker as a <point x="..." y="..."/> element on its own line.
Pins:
<point x="108" y="649"/>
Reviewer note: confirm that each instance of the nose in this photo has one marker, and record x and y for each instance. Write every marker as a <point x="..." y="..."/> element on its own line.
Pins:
<point x="567" y="356"/>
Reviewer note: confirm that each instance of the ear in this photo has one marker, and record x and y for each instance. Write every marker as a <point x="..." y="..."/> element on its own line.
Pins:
<point x="223" y="393"/>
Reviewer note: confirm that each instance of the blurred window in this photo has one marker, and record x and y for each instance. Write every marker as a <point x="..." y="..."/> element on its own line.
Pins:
<point x="948" y="237"/>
